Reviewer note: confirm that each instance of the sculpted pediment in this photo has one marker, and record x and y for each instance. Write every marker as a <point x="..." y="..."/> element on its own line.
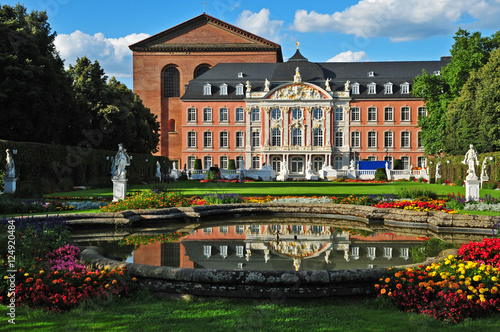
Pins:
<point x="298" y="92"/>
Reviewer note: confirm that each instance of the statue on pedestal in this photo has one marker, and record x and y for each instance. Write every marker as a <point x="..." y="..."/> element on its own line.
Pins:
<point x="483" y="168"/>
<point x="10" y="168"/>
<point x="327" y="84"/>
<point x="266" y="85"/>
<point x="158" y="171"/>
<point x="122" y="159"/>
<point x="471" y="160"/>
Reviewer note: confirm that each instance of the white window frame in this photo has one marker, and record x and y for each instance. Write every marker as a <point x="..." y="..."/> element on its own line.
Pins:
<point x="355" y="252"/>
<point x="190" y="162"/>
<point x="207" y="114"/>
<point x="387" y="252"/>
<point x="388" y="88"/>
<point x="422" y="111"/>
<point x="255" y="138"/>
<point x="223" y="251"/>
<point x="238" y="161"/>
<point x="355" y="139"/>
<point x="339" y="138"/>
<point x="191" y="114"/>
<point x="223" y="114"/>
<point x="388" y="139"/>
<point x="239" y="114"/>
<point x="207" y="139"/>
<point x="224" y="139"/>
<point x="297" y="111"/>
<point x="372" y="139"/>
<point x="207" y="160"/>
<point x="239" y="249"/>
<point x="339" y="113"/>
<point x="356" y="114"/>
<point x="405" y="253"/>
<point x="318" y="113"/>
<point x="355" y="88"/>
<point x="255" y="114"/>
<point x="406" y="162"/>
<point x="372" y="252"/>
<point x="372" y="110"/>
<point x="405" y="113"/>
<point x="405" y="141"/>
<point x="276" y="137"/>
<point x="338" y="162"/>
<point x="388" y="114"/>
<point x="239" y="89"/>
<point x="296" y="137"/>
<point x="191" y="139"/>
<point x="207" y="89"/>
<point x="223" y="89"/>
<point x="239" y="139"/>
<point x="275" y="113"/>
<point x="317" y="137"/>
<point x="207" y="251"/>
<point x="256" y="164"/>
<point x="405" y="88"/>
<point x="372" y="88"/>
<point x="223" y="162"/>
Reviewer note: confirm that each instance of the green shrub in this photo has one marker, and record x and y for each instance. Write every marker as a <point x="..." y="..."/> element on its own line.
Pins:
<point x="440" y="181"/>
<point x="231" y="164"/>
<point x="490" y="185"/>
<point x="380" y="174"/>
<point x="397" y="164"/>
<point x="429" y="248"/>
<point x="197" y="164"/>
<point x="459" y="182"/>
<point x="413" y="193"/>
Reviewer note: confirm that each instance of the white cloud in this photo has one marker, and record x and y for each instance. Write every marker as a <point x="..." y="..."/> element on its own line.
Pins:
<point x="349" y="56"/>
<point x="113" y="54"/>
<point x="402" y="20"/>
<point x="260" y="24"/>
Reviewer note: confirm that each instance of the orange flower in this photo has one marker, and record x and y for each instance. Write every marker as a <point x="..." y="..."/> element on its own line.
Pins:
<point x="387" y="280"/>
<point x="383" y="291"/>
<point x="114" y="282"/>
<point x="399" y="286"/>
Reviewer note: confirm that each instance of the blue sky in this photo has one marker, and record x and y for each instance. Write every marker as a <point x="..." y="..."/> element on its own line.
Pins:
<point x="347" y="30"/>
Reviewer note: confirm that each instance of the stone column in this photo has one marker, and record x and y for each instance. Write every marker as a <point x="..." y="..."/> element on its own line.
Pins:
<point x="9" y="184"/>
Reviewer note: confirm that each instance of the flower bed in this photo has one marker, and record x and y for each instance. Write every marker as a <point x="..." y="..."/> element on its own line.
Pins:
<point x="148" y="200"/>
<point x="417" y="205"/>
<point x="454" y="289"/>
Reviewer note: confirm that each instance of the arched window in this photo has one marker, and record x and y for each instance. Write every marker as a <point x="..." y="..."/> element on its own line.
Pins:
<point x="171" y="82"/>
<point x="200" y="70"/>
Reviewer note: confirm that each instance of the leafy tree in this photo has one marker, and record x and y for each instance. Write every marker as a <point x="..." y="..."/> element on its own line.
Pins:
<point x="470" y="52"/>
<point x="474" y="116"/>
<point x="36" y="100"/>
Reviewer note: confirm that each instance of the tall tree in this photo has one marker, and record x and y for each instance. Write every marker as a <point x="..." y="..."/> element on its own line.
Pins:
<point x="35" y="92"/>
<point x="470" y="52"/>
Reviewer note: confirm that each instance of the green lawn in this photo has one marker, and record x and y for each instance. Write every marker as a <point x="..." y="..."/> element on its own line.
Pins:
<point x="146" y="313"/>
<point x="282" y="189"/>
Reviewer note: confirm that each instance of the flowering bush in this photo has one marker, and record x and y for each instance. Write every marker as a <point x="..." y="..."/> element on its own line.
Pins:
<point x="148" y="200"/>
<point x="417" y="205"/>
<point x="485" y="252"/>
<point x="223" y="198"/>
<point x="451" y="290"/>
<point x="64" y="258"/>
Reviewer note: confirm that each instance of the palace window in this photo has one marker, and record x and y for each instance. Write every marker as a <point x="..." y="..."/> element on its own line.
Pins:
<point x="422" y="111"/>
<point x="276" y="137"/>
<point x="191" y="114"/>
<point x="318" y="137"/>
<point x="388" y="139"/>
<point x="405" y="139"/>
<point x="421" y="161"/>
<point x="355" y="114"/>
<point x="190" y="162"/>
<point x="207" y="89"/>
<point x="388" y="88"/>
<point x="223" y="89"/>
<point x="207" y="162"/>
<point x="339" y="138"/>
<point x="419" y="139"/>
<point x="318" y="113"/>
<point x="223" y="161"/>
<point x="296" y="113"/>
<point x="338" y="162"/>
<point x="372" y="158"/>
<point x="255" y="114"/>
<point x="223" y="251"/>
<point x="207" y="251"/>
<point x="223" y="139"/>
<point x="372" y="114"/>
<point x="405" y="253"/>
<point x="255" y="138"/>
<point x="405" y="88"/>
<point x="191" y="139"/>
<point x="239" y="162"/>
<point x="372" y="139"/>
<point x="207" y="114"/>
<point x="355" y="89"/>
<point x="239" y="89"/>
<point x="388" y="114"/>
<point x="240" y="114"/>
<point x="276" y="164"/>
<point x="372" y="88"/>
<point x="223" y="114"/>
<point x="171" y="82"/>
<point x="239" y="249"/>
<point x="371" y="252"/>
<point x="339" y="113"/>
<point x="355" y="139"/>
<point x="387" y="252"/>
<point x="405" y="161"/>
<point x="275" y="113"/>
<point x="207" y="139"/>
<point x="355" y="252"/>
<point x="296" y="136"/>
<point x="240" y="139"/>
<point x="405" y="113"/>
<point x="256" y="162"/>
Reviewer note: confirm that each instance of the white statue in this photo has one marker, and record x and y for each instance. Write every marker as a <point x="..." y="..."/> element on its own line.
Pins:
<point x="10" y="168"/>
<point x="351" y="165"/>
<point x="297" y="78"/>
<point x="327" y="256"/>
<point x="266" y="85"/>
<point x="174" y="166"/>
<point x="327" y="84"/>
<point x="471" y="160"/>
<point x="346" y="255"/>
<point x="296" y="263"/>
<point x="347" y="85"/>
<point x="158" y="171"/>
<point x="438" y="170"/>
<point x="283" y="174"/>
<point x="483" y="168"/>
<point x="248" y="86"/>
<point x="122" y="159"/>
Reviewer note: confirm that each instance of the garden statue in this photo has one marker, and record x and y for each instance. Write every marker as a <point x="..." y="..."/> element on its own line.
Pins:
<point x="327" y="84"/>
<point x="438" y="170"/>
<point x="351" y="165"/>
<point x="248" y="86"/>
<point x="327" y="256"/>
<point x="122" y="160"/>
<point x="10" y="168"/>
<point x="174" y="166"/>
<point x="309" y="172"/>
<point x="347" y="86"/>
<point x="471" y="160"/>
<point x="266" y="85"/>
<point x="483" y="168"/>
<point x="158" y="171"/>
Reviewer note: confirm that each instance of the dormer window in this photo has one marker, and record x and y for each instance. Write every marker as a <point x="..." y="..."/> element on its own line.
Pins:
<point x="240" y="74"/>
<point x="355" y="88"/>
<point x="372" y="88"/>
<point x="239" y="89"/>
<point x="371" y="74"/>
<point x="437" y="72"/>
<point x="405" y="88"/>
<point x="223" y="89"/>
<point x="207" y="89"/>
<point x="388" y="88"/>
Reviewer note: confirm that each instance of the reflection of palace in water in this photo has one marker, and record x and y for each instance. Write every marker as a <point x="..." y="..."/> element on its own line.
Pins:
<point x="279" y="247"/>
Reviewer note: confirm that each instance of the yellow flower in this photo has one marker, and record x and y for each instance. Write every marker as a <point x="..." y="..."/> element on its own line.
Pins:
<point x="494" y="279"/>
<point x="477" y="278"/>
<point x="450" y="257"/>
<point x="26" y="274"/>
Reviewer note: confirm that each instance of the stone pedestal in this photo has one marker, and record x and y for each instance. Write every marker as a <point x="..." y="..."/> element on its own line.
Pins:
<point x="119" y="189"/>
<point x="9" y="184"/>
<point x="472" y="189"/>
<point x="484" y="178"/>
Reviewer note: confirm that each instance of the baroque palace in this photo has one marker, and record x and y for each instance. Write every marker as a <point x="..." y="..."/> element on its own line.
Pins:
<point x="222" y="93"/>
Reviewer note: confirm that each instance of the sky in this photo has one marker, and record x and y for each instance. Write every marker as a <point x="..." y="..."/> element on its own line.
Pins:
<point x="339" y="30"/>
